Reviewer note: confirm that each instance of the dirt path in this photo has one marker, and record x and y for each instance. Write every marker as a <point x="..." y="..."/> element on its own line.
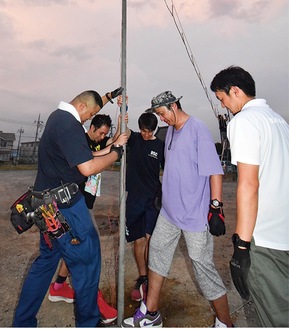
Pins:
<point x="181" y="304"/>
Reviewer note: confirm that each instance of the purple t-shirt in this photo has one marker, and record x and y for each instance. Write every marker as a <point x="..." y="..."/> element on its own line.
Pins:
<point x="190" y="159"/>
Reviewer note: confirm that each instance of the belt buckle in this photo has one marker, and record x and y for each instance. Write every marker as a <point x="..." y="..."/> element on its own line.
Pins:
<point x="64" y="195"/>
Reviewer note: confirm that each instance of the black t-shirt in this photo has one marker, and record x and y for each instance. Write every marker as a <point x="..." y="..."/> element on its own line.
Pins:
<point x="62" y="147"/>
<point x="145" y="158"/>
<point x="89" y="198"/>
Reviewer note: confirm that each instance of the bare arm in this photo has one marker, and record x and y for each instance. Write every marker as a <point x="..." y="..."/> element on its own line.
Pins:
<point x="247" y="200"/>
<point x="101" y="152"/>
<point x="97" y="164"/>
<point x="115" y="138"/>
<point x="110" y="95"/>
<point x="117" y="132"/>
<point x="216" y="187"/>
<point x="119" y="141"/>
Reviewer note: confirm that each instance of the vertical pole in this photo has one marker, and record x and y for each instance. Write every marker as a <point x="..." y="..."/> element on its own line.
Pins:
<point x="121" y="259"/>
<point x="38" y="127"/>
<point x="18" y="147"/>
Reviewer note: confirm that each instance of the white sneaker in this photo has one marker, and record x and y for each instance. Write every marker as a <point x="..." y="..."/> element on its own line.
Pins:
<point x="219" y="324"/>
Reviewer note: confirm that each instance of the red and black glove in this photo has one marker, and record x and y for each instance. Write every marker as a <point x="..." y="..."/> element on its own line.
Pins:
<point x="216" y="220"/>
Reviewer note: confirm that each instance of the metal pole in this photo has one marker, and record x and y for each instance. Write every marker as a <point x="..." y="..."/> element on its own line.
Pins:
<point x="38" y="129"/>
<point x="121" y="259"/>
<point x="18" y="147"/>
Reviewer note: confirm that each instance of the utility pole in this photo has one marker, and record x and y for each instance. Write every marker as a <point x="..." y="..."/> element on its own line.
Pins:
<point x="21" y="131"/>
<point x="39" y="125"/>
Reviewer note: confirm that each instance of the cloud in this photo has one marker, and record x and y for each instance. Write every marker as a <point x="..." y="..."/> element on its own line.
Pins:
<point x="52" y="50"/>
<point x="249" y="11"/>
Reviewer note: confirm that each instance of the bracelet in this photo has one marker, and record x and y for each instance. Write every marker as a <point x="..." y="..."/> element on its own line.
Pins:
<point x="109" y="98"/>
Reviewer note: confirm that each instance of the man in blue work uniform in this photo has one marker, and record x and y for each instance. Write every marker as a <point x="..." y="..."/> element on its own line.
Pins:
<point x="65" y="157"/>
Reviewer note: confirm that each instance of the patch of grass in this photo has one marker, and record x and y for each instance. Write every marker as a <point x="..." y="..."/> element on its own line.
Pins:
<point x="17" y="167"/>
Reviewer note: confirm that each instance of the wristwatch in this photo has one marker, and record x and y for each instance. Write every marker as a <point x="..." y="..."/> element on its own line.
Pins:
<point x="216" y="203"/>
<point x="240" y="243"/>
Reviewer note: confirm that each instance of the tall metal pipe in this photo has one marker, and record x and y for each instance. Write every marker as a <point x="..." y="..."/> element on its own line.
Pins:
<point x="121" y="259"/>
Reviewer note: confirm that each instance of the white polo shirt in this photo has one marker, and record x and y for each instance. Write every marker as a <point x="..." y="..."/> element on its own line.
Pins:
<point x="260" y="136"/>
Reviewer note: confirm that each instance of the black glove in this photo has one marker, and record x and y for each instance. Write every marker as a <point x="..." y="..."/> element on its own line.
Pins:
<point x="239" y="265"/>
<point x="116" y="92"/>
<point x="118" y="150"/>
<point x="216" y="220"/>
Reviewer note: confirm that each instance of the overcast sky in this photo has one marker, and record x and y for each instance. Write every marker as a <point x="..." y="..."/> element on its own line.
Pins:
<point x="51" y="50"/>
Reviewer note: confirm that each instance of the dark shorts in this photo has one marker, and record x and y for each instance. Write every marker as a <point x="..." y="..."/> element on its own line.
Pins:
<point x="141" y="217"/>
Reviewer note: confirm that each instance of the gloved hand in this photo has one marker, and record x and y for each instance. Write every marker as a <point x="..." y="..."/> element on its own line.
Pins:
<point x="239" y="265"/>
<point x="118" y="150"/>
<point x="116" y="92"/>
<point x="216" y="220"/>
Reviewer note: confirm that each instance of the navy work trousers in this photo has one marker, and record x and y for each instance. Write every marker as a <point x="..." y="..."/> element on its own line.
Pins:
<point x="83" y="261"/>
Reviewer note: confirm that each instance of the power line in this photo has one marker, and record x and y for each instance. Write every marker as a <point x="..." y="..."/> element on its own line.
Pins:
<point x="17" y="122"/>
<point x="179" y="27"/>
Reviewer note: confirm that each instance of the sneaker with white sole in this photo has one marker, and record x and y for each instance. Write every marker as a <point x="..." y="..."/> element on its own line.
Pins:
<point x="142" y="319"/>
<point x="219" y="324"/>
<point x="64" y="294"/>
<point x="107" y="313"/>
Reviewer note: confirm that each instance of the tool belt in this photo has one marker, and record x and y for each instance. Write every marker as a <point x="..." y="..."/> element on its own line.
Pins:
<point x="62" y="194"/>
<point x="40" y="208"/>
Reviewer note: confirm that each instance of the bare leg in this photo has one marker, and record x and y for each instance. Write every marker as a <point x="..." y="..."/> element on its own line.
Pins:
<point x="141" y="254"/>
<point x="154" y="290"/>
<point x="222" y="310"/>
<point x="63" y="270"/>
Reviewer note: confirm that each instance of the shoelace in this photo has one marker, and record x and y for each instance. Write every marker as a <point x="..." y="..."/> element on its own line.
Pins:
<point x="138" y="314"/>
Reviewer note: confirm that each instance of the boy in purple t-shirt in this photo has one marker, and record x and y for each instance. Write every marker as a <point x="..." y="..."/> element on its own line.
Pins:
<point x="192" y="205"/>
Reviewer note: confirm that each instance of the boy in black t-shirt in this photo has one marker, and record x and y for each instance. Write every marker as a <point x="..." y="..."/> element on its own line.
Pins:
<point x="145" y="160"/>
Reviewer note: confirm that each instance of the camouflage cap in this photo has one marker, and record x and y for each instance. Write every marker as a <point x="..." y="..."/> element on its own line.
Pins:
<point x="163" y="99"/>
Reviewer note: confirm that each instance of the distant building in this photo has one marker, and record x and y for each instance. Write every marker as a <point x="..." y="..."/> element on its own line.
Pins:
<point x="29" y="152"/>
<point x="6" y="145"/>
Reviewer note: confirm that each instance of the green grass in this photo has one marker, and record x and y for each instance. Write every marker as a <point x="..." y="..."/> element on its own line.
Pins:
<point x="17" y="167"/>
<point x="3" y="167"/>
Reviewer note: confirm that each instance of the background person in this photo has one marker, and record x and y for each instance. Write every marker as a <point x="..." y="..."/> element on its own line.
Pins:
<point x="259" y="141"/>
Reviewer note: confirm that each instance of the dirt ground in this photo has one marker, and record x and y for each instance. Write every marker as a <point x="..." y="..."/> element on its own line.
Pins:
<point x="181" y="303"/>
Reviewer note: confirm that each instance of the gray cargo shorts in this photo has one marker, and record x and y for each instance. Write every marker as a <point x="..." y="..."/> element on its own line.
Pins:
<point x="200" y="247"/>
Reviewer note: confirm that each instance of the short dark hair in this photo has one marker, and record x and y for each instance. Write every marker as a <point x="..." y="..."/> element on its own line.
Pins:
<point x="147" y="121"/>
<point x="88" y="94"/>
<point x="178" y="103"/>
<point x="234" y="76"/>
<point x="100" y="120"/>
<point x="97" y="97"/>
